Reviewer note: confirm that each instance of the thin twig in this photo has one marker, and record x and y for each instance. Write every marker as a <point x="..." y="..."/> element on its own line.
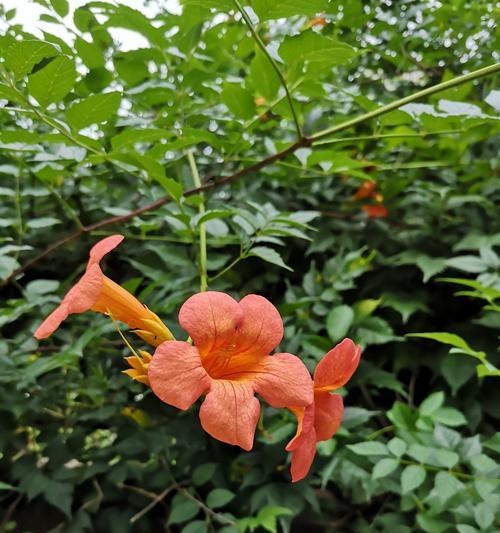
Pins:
<point x="10" y="510"/>
<point x="157" y="499"/>
<point x="220" y="518"/>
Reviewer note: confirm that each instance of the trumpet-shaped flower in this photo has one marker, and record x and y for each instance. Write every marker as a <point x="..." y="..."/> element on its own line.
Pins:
<point x="229" y="362"/>
<point x="96" y="292"/>
<point x="321" y="419"/>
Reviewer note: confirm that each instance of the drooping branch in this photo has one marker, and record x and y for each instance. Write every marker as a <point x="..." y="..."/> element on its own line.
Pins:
<point x="209" y="183"/>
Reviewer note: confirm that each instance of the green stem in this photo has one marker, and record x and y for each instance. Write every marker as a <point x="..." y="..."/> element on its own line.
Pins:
<point x="381" y="431"/>
<point x="50" y="122"/>
<point x="203" y="232"/>
<point x="20" y="229"/>
<point x="422" y="135"/>
<point x="66" y="207"/>
<point x="273" y="63"/>
<point x="228" y="267"/>
<point x="492" y="69"/>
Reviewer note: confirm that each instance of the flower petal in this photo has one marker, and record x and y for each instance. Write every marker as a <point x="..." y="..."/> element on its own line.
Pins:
<point x="52" y="322"/>
<point x="262" y="327"/>
<point x="328" y="411"/>
<point x="79" y="299"/>
<point x="284" y="380"/>
<point x="176" y="374"/>
<point x="211" y="319"/>
<point x="230" y="412"/>
<point x="305" y="424"/>
<point x="103" y="247"/>
<point x="303" y="456"/>
<point x="337" y="367"/>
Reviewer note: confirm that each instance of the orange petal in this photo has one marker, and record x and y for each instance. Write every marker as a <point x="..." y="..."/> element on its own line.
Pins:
<point x="303" y="456"/>
<point x="230" y="412"/>
<point x="337" y="366"/>
<point x="53" y="321"/>
<point x="211" y="319"/>
<point x="79" y="299"/>
<point x="328" y="411"/>
<point x="305" y="424"/>
<point x="375" y="211"/>
<point x="366" y="190"/>
<point x="85" y="293"/>
<point x="284" y="380"/>
<point x="103" y="247"/>
<point x="176" y="374"/>
<point x="262" y="327"/>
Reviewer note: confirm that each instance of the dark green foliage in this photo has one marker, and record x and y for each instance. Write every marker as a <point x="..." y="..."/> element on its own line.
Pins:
<point x="91" y="131"/>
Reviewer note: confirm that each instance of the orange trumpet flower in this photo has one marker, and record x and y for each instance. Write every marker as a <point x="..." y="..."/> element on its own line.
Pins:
<point x="366" y="190"/>
<point x="96" y="292"/>
<point x="321" y="419"/>
<point x="375" y="211"/>
<point x="229" y="362"/>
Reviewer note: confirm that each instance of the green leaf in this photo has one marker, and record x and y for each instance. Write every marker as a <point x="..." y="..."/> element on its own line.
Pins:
<point x="412" y="477"/>
<point x="266" y="519"/>
<point x="316" y="50"/>
<point x="53" y="82"/>
<point x="431" y="403"/>
<point x="446" y="486"/>
<point x="368" y="448"/>
<point x="89" y="53"/>
<point x="219" y="497"/>
<point x="61" y="7"/>
<point x="275" y="9"/>
<point x="465" y="528"/>
<point x="203" y="473"/>
<point x="211" y="214"/>
<point x="397" y="446"/>
<point x="483" y="463"/>
<point x="450" y="339"/>
<point x="375" y="330"/>
<point x="269" y="255"/>
<point x="430" y="524"/>
<point x="446" y="458"/>
<point x="196" y="526"/>
<point x="6" y="486"/>
<point x="238" y="100"/>
<point x="338" y="322"/>
<point x="493" y="443"/>
<point x="60" y="495"/>
<point x="468" y="263"/>
<point x="171" y="187"/>
<point x="183" y="510"/>
<point x="131" y="136"/>
<point x="455" y="374"/>
<point x="384" y="467"/>
<point x="93" y="110"/>
<point x="22" y="56"/>
<point x="448" y="416"/>
<point x="264" y="78"/>
<point x="430" y="266"/>
<point x="484" y="516"/>
<point x="43" y="222"/>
